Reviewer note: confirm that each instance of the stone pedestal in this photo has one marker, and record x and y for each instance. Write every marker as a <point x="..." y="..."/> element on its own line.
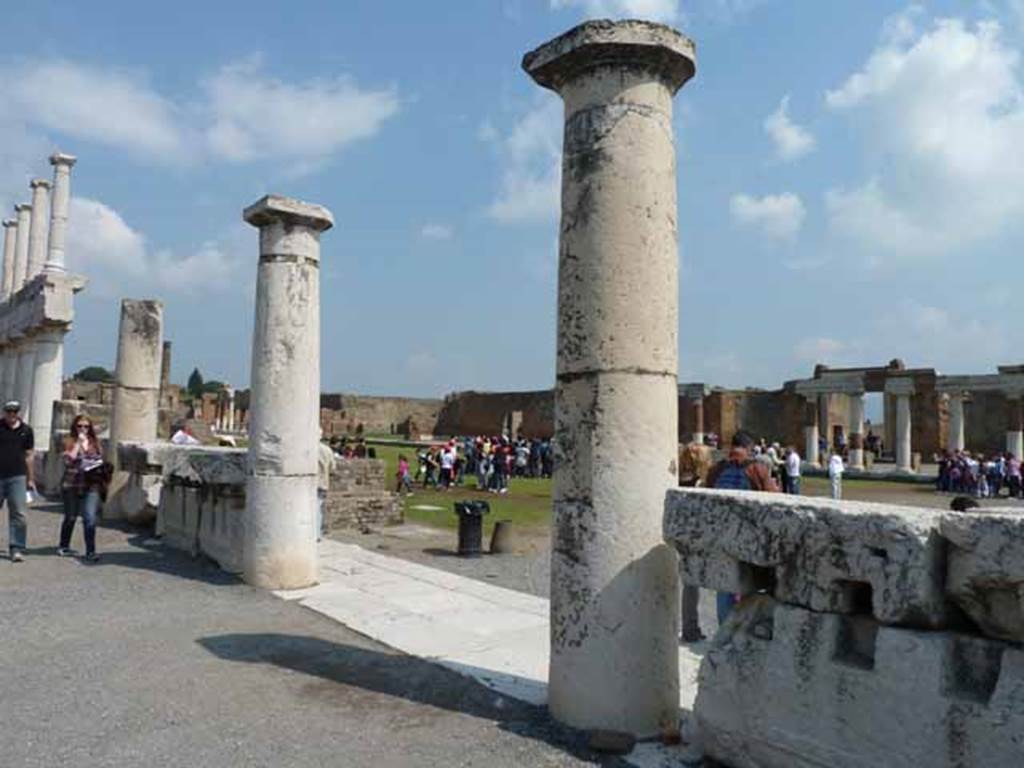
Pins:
<point x="10" y="236"/>
<point x="956" y="423"/>
<point x="55" y="260"/>
<point x="614" y="582"/>
<point x="856" y="438"/>
<point x="136" y="393"/>
<point x="47" y="381"/>
<point x="24" y="211"/>
<point x="38" y="227"/>
<point x="280" y="550"/>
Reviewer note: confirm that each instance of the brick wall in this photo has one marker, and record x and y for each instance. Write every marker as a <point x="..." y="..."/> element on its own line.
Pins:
<point x="360" y="496"/>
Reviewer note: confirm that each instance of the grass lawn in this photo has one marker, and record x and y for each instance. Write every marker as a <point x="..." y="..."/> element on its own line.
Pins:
<point x="528" y="502"/>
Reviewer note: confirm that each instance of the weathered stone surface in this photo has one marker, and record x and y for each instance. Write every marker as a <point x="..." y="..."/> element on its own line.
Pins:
<point x="359" y="497"/>
<point x="985" y="575"/>
<point x="207" y="520"/>
<point x="614" y="585"/>
<point x="835" y="556"/>
<point x="783" y="687"/>
<point x="188" y="464"/>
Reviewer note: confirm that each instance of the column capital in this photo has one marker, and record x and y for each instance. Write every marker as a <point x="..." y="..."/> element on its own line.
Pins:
<point x="10" y="222"/>
<point x="277" y="208"/>
<point x="60" y="158"/>
<point x="656" y="48"/>
<point x="23" y="207"/>
<point x="44" y="183"/>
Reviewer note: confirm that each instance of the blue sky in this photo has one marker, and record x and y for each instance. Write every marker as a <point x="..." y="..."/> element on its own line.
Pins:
<point x="851" y="184"/>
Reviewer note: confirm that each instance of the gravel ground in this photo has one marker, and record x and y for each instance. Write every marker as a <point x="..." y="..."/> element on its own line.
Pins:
<point x="150" y="658"/>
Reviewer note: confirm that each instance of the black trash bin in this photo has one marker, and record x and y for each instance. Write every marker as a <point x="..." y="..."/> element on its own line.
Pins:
<point x="471" y="526"/>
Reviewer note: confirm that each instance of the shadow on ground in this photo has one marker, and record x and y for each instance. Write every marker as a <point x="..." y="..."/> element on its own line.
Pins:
<point x="405" y="677"/>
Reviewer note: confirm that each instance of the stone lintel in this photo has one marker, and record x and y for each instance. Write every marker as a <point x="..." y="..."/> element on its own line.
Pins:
<point x="634" y="44"/>
<point x="900" y="386"/>
<point x="273" y="208"/>
<point x="61" y="158"/>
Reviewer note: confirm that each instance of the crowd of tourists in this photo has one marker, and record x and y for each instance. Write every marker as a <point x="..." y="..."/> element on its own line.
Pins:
<point x="964" y="473"/>
<point x="490" y="460"/>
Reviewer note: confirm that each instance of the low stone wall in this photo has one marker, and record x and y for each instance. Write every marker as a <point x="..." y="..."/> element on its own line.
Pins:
<point x="359" y="496"/>
<point x="870" y="634"/>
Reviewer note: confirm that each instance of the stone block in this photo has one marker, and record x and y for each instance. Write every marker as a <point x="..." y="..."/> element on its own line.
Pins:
<point x="831" y="556"/>
<point x="985" y="575"/>
<point x="783" y="687"/>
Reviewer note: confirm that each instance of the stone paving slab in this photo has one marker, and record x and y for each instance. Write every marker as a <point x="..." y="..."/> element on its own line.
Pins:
<point x="496" y="636"/>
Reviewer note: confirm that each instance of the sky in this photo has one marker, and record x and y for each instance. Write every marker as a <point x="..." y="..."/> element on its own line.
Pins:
<point x="851" y="180"/>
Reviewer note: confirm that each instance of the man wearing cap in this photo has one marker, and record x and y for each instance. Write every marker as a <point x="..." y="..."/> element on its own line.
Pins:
<point x="16" y="474"/>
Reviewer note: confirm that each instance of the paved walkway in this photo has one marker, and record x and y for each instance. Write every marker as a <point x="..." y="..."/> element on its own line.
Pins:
<point x="497" y="636"/>
<point x="150" y="658"/>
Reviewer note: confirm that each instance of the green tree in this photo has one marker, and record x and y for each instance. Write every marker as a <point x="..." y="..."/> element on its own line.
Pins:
<point x="213" y="386"/>
<point x="195" y="383"/>
<point x="94" y="373"/>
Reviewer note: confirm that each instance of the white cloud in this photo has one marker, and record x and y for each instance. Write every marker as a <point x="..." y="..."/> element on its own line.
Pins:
<point x="820" y="349"/>
<point x="254" y="115"/>
<point x="791" y="140"/>
<point x="241" y="113"/>
<point x="531" y="155"/>
<point x="436" y="232"/>
<point x="941" y="112"/>
<point x="104" y="247"/>
<point x="651" y="10"/>
<point x="778" y="216"/>
<point x="108" y="107"/>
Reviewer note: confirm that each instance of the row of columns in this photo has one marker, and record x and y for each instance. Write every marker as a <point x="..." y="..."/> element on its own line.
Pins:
<point x="31" y="367"/>
<point x="957" y="424"/>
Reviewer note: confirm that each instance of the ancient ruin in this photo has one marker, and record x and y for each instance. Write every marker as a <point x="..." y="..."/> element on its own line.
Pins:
<point x="613" y="581"/>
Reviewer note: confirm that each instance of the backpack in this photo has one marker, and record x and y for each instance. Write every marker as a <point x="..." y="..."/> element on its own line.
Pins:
<point x="734" y="477"/>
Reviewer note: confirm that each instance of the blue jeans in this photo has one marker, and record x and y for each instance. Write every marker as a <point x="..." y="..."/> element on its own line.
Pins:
<point x="13" y="490"/>
<point x="87" y="506"/>
<point x="793" y="484"/>
<point x="724" y="602"/>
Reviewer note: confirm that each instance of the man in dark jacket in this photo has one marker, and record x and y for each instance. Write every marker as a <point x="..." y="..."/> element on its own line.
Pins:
<point x="16" y="475"/>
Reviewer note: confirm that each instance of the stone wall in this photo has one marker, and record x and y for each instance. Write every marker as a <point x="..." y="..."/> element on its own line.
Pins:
<point x="360" y="497"/>
<point x="985" y="418"/>
<point x="343" y="414"/>
<point x="489" y="413"/>
<point x="868" y="634"/>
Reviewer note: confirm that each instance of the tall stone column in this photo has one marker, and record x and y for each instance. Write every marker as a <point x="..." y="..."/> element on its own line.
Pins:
<point x="614" y="583"/>
<point x="10" y="235"/>
<point x="23" y="375"/>
<point x="9" y="374"/>
<point x="811" y="431"/>
<point x="46" y="382"/>
<point x="280" y="550"/>
<point x="56" y="259"/>
<point x="1014" y="424"/>
<point x="38" y="227"/>
<point x="24" y="211"/>
<point x="956" y="422"/>
<point x="825" y="421"/>
<point x="230" y="424"/>
<point x="855" y="440"/>
<point x="902" y="389"/>
<point x="165" y="371"/>
<point x="135" y="409"/>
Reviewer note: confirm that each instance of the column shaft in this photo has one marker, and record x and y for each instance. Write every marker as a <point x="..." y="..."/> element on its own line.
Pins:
<point x="280" y="549"/>
<point x="10" y="236"/>
<point x="856" y="437"/>
<point x="811" y="432"/>
<point x="903" y="429"/>
<point x="56" y="258"/>
<point x="24" y="375"/>
<point x="24" y="211"/>
<point x="46" y="383"/>
<point x="38" y="228"/>
<point x="956" y="423"/>
<point x="614" y="582"/>
<point x="698" y="420"/>
<point x="1014" y="427"/>
<point x="9" y="373"/>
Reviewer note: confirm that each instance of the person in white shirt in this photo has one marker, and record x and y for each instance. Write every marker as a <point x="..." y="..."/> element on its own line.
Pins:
<point x="184" y="436"/>
<point x="792" y="472"/>
<point x="835" y="475"/>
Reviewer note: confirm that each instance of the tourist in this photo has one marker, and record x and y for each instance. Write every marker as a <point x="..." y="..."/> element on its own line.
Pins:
<point x="404" y="480"/>
<point x="85" y="476"/>
<point x="740" y="473"/>
<point x="16" y="476"/>
<point x="447" y="465"/>
<point x="183" y="436"/>
<point x="1013" y="475"/>
<point x="792" y="467"/>
<point x="835" y="474"/>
